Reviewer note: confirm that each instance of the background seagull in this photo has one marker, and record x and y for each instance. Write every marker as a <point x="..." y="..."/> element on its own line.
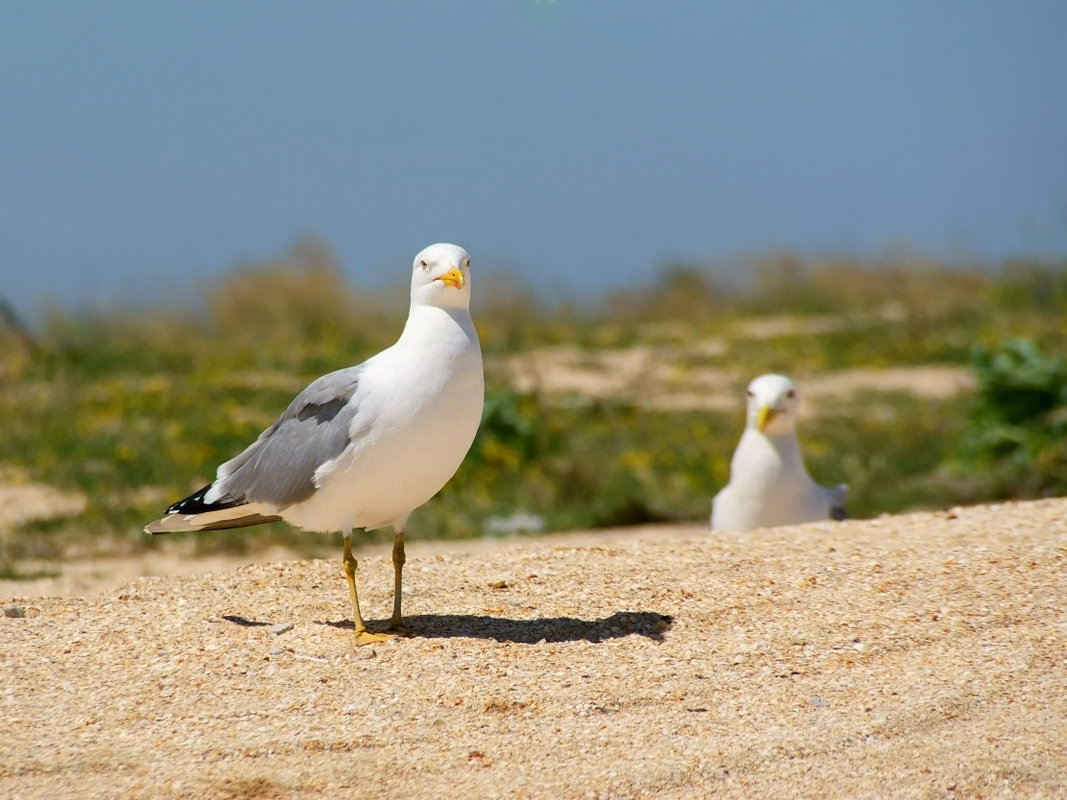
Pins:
<point x="364" y="446"/>
<point x="769" y="484"/>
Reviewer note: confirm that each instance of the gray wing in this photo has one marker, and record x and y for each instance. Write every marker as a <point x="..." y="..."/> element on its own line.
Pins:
<point x="279" y="467"/>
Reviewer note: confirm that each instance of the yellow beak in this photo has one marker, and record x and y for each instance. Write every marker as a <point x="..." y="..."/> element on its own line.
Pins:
<point x="453" y="278"/>
<point x="766" y="413"/>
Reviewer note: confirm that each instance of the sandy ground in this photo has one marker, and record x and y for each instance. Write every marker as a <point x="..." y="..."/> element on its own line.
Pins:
<point x="912" y="656"/>
<point x="662" y="378"/>
<point x="24" y="502"/>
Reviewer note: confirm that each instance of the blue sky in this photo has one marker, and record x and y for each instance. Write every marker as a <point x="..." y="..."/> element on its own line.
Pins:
<point x="145" y="147"/>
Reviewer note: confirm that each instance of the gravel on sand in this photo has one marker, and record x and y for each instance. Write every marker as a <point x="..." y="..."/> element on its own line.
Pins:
<point x="910" y="656"/>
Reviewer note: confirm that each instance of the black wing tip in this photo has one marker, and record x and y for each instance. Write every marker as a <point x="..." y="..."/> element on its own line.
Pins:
<point x="194" y="503"/>
<point x="188" y="509"/>
<point x="838" y="513"/>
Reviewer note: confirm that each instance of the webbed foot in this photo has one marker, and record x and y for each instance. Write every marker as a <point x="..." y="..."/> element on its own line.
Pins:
<point x="365" y="637"/>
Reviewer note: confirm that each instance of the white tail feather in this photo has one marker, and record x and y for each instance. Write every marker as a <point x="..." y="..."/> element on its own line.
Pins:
<point x="218" y="519"/>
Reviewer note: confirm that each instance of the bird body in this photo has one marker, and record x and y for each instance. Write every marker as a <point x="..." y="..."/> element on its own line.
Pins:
<point x="364" y="446"/>
<point x="435" y="411"/>
<point x="769" y="484"/>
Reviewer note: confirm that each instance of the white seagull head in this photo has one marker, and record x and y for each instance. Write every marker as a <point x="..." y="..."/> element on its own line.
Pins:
<point x="440" y="276"/>
<point x="773" y="405"/>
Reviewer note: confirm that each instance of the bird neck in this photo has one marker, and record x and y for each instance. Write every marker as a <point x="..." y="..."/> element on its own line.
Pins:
<point x="785" y="445"/>
<point x="436" y="326"/>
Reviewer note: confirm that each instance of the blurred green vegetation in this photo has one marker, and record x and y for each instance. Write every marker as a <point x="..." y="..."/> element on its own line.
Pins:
<point x="135" y="408"/>
<point x="1015" y="441"/>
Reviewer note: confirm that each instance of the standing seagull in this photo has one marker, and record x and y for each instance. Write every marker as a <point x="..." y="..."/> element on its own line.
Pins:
<point x="768" y="482"/>
<point x="364" y="446"/>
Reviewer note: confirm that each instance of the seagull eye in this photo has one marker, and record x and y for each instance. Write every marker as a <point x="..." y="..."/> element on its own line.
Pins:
<point x="791" y="394"/>
<point x="467" y="263"/>
<point x="751" y="393"/>
<point x="422" y="261"/>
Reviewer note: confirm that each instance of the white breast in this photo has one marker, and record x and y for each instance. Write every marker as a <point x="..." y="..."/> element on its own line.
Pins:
<point x="768" y="486"/>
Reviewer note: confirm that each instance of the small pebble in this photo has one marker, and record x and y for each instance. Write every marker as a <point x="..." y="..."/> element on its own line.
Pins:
<point x="280" y="628"/>
<point x="14" y="611"/>
<point x="818" y="702"/>
<point x="275" y="651"/>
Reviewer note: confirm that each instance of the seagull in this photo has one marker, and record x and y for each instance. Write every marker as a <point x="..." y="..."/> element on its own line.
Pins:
<point x="768" y="482"/>
<point x="366" y="445"/>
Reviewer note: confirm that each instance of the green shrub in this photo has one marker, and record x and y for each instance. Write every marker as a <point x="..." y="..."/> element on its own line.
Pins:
<point x="1015" y="443"/>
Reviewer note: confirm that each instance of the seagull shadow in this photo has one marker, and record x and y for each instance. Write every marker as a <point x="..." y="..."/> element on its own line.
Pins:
<point x="530" y="631"/>
<point x="244" y="621"/>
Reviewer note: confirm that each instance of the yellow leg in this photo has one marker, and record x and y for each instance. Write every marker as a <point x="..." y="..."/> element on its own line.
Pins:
<point x="363" y="636"/>
<point x="397" y="623"/>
